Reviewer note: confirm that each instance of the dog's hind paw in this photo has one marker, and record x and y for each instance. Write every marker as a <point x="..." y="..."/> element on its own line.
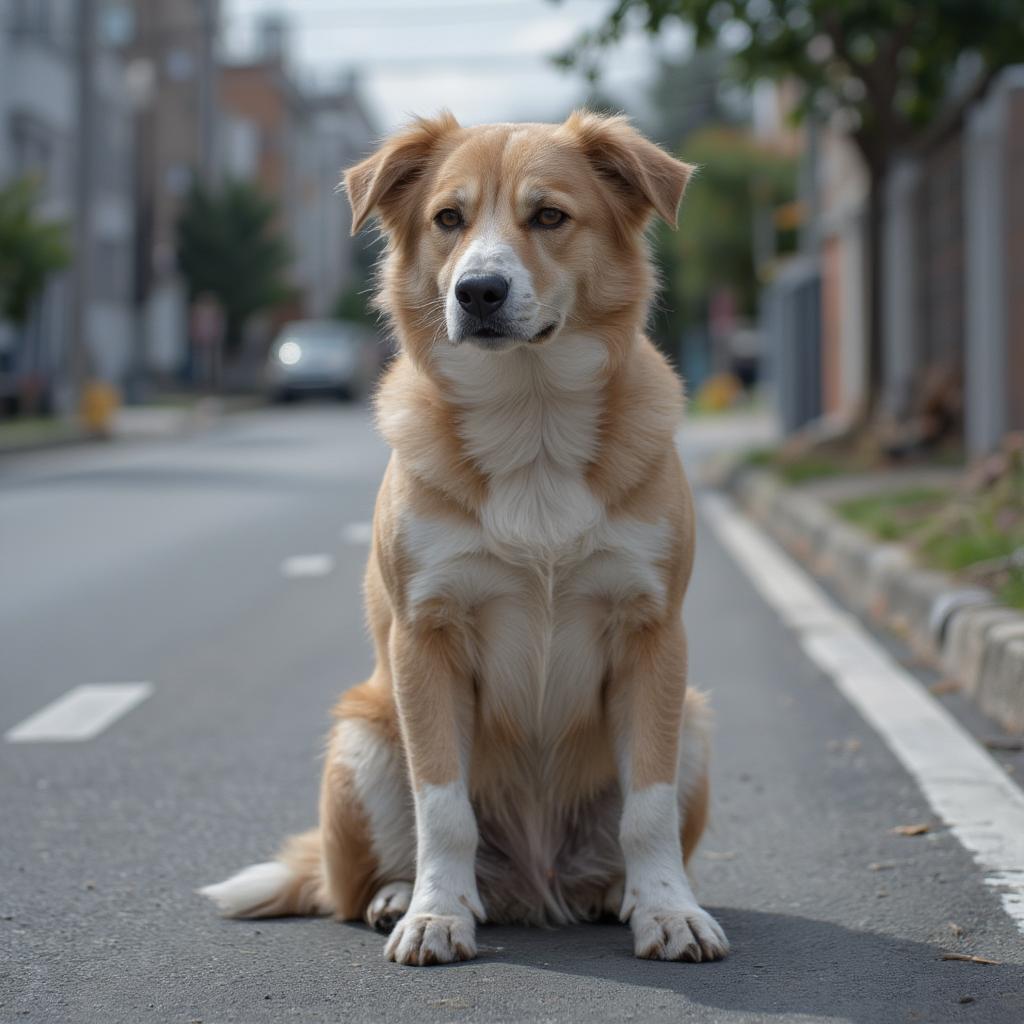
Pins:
<point x="389" y="905"/>
<point x="691" y="934"/>
<point x="425" y="939"/>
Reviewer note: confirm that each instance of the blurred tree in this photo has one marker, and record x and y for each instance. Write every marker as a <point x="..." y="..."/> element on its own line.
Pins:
<point x="355" y="301"/>
<point x="690" y="94"/>
<point x="30" y="249"/>
<point x="738" y="177"/>
<point x="887" y="65"/>
<point x="685" y="97"/>
<point x="229" y="246"/>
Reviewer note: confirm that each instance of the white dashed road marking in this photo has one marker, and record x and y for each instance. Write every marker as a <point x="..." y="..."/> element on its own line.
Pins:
<point x="961" y="782"/>
<point x="80" y="714"/>
<point x="304" y="566"/>
<point x="357" y="533"/>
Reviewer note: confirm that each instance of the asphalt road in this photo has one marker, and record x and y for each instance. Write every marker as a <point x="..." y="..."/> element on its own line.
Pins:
<point x="162" y="562"/>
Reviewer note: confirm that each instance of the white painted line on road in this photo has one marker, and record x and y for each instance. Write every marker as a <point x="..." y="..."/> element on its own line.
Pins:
<point x="357" y="533"/>
<point x="963" y="784"/>
<point x="80" y="714"/>
<point x="305" y="566"/>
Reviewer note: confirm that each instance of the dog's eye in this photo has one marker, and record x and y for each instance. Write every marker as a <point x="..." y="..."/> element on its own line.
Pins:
<point x="449" y="220"/>
<point x="549" y="217"/>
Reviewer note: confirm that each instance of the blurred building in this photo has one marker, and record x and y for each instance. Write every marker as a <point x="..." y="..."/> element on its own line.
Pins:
<point x="294" y="142"/>
<point x="39" y="104"/>
<point x="174" y="72"/>
<point x="953" y="260"/>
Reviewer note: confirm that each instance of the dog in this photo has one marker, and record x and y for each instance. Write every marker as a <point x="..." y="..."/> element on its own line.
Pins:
<point x="526" y="749"/>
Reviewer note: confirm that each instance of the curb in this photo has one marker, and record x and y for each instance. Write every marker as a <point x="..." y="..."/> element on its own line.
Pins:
<point x="963" y="630"/>
<point x="146" y="423"/>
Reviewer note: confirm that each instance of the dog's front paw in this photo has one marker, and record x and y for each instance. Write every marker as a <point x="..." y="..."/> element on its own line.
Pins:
<point x="689" y="934"/>
<point x="424" y="939"/>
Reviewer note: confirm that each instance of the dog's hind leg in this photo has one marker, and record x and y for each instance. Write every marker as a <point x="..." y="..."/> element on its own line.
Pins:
<point x="293" y="884"/>
<point x="692" y="776"/>
<point x="366" y="812"/>
<point x="360" y="862"/>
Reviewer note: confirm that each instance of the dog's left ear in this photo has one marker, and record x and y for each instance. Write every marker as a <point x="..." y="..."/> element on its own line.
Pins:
<point x="635" y="167"/>
<point x="378" y="183"/>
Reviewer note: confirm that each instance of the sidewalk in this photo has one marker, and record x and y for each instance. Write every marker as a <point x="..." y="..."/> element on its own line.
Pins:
<point x="132" y="422"/>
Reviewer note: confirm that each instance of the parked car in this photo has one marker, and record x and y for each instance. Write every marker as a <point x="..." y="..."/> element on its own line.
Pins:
<point x="321" y="357"/>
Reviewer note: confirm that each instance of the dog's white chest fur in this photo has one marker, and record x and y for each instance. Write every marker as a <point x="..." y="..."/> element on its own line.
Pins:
<point x="544" y="563"/>
<point x="529" y="419"/>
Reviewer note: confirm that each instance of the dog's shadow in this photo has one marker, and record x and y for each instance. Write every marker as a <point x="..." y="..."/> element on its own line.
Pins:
<point x="782" y="964"/>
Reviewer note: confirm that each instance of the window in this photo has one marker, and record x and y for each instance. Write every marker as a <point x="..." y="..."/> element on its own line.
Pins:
<point x="32" y="149"/>
<point x="32" y="20"/>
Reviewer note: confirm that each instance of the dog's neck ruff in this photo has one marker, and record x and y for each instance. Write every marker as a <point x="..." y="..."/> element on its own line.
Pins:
<point x="529" y="419"/>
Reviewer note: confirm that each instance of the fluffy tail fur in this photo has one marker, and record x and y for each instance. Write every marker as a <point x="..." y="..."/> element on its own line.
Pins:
<point x="291" y="885"/>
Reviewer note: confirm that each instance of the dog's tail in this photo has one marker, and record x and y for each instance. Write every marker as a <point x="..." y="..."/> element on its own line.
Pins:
<point x="293" y="884"/>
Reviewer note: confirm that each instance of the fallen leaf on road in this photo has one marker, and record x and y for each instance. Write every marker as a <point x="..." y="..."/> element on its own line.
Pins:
<point x="944" y="686"/>
<point x="971" y="959"/>
<point x="955" y="929"/>
<point x="911" y="830"/>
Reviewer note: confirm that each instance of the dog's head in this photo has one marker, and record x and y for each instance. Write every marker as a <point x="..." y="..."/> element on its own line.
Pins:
<point x="501" y="236"/>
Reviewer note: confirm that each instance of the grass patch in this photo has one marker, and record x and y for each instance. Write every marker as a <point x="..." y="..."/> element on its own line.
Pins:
<point x="1012" y="591"/>
<point x="975" y="531"/>
<point x="799" y="469"/>
<point x="893" y="516"/>
<point x="30" y="430"/>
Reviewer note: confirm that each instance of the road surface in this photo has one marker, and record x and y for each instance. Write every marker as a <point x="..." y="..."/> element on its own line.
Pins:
<point x="223" y="570"/>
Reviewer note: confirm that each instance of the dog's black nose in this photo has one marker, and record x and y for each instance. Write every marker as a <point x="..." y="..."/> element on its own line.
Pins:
<point x="481" y="295"/>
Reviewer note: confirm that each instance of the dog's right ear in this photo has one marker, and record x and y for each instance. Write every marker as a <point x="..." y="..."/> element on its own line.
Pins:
<point x="378" y="183"/>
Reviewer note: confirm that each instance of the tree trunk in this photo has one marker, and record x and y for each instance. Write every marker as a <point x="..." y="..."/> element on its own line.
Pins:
<point x="874" y="279"/>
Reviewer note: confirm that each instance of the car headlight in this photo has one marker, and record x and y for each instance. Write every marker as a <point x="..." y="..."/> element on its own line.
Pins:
<point x="289" y="353"/>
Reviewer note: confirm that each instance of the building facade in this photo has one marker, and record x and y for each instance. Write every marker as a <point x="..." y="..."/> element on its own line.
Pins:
<point x="952" y="263"/>
<point x="172" y="49"/>
<point x="39" y="139"/>
<point x="294" y="144"/>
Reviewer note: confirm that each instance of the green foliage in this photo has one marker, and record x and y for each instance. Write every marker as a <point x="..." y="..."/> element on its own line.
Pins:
<point x="888" y="63"/>
<point x="737" y="178"/>
<point x="30" y="249"/>
<point x="1012" y="592"/>
<point x="976" y="530"/>
<point x="229" y="245"/>
<point x="896" y="515"/>
<point x="806" y="466"/>
<point x="353" y="304"/>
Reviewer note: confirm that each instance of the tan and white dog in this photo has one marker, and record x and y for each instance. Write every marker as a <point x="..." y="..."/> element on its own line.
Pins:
<point x="526" y="749"/>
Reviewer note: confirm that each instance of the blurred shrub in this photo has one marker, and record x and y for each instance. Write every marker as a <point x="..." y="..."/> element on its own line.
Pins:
<point x="230" y="246"/>
<point x="31" y="249"/>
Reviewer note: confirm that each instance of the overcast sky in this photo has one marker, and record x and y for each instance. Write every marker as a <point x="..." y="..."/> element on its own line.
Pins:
<point x="486" y="60"/>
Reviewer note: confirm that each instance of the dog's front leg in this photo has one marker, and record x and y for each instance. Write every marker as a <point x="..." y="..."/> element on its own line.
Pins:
<point x="434" y="693"/>
<point x="646" y="703"/>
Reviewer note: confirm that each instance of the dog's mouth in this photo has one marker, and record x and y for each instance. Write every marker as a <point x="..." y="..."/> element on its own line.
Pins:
<point x="493" y="334"/>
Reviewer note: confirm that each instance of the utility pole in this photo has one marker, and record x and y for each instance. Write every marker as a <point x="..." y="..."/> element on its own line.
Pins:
<point x="209" y="98"/>
<point x="84" y="175"/>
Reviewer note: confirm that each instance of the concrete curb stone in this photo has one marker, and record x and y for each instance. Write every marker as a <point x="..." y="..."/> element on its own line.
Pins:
<point x="967" y="641"/>
<point x="977" y="641"/>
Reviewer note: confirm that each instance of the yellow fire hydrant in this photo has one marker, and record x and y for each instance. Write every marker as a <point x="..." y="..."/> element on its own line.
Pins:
<point x="98" y="406"/>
